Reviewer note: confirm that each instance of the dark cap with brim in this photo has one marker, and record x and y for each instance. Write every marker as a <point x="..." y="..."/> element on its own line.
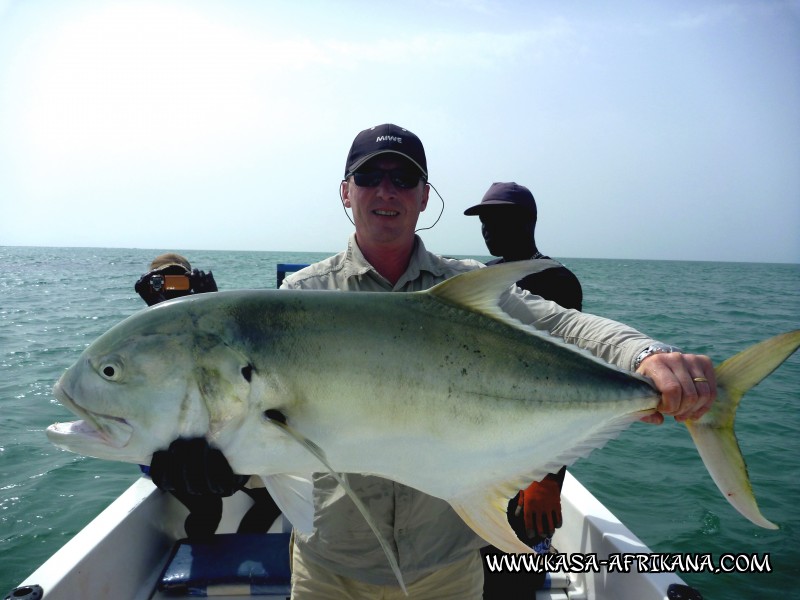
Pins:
<point x="502" y="194"/>
<point x="386" y="139"/>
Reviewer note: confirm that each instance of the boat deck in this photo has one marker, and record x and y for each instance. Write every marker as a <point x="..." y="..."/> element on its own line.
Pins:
<point x="123" y="551"/>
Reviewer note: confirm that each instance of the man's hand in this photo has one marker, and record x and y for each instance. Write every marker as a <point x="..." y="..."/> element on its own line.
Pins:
<point x="540" y="506"/>
<point x="191" y="466"/>
<point x="686" y="382"/>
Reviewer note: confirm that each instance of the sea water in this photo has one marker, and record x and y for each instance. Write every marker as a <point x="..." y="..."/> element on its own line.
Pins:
<point x="55" y="301"/>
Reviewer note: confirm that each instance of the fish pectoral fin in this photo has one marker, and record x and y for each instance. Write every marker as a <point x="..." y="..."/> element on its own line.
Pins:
<point x="485" y="513"/>
<point x="293" y="495"/>
<point x="317" y="452"/>
<point x="713" y="433"/>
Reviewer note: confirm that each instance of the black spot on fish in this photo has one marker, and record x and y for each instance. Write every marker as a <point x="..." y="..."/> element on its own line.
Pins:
<point x="247" y="372"/>
<point x="273" y="414"/>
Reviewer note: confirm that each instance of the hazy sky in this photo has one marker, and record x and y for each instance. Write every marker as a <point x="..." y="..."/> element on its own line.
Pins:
<point x="659" y="130"/>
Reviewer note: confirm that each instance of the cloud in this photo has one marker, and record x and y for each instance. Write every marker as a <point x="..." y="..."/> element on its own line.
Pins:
<point x="478" y="49"/>
<point x="715" y="14"/>
<point x="170" y="83"/>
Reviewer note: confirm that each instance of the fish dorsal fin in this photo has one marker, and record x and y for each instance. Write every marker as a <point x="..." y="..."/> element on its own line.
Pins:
<point x="319" y="454"/>
<point x="480" y="290"/>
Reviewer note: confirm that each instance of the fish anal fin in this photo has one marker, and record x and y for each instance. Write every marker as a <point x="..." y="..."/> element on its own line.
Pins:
<point x="485" y="514"/>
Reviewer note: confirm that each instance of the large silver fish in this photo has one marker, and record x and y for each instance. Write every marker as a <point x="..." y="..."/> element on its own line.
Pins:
<point x="439" y="390"/>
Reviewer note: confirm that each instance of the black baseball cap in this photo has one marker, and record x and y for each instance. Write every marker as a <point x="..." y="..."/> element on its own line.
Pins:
<point x="386" y="139"/>
<point x="504" y="194"/>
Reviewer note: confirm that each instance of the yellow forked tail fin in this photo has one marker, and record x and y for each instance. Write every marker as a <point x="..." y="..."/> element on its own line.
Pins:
<point x="713" y="433"/>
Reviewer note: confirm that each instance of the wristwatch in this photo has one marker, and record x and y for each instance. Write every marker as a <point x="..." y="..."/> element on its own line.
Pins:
<point x="657" y="348"/>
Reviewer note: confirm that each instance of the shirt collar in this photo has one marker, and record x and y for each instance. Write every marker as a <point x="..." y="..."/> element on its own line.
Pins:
<point x="357" y="265"/>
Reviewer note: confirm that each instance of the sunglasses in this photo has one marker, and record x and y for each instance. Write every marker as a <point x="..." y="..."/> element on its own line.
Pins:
<point x="400" y="178"/>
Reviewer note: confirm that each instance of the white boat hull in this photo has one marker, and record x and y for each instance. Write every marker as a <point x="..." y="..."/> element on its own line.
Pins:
<point x="122" y="552"/>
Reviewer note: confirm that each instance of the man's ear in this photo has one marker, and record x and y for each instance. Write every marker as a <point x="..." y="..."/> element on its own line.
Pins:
<point x="345" y="194"/>
<point x="425" y="193"/>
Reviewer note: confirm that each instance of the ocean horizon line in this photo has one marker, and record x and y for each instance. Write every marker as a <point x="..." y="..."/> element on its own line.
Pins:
<point x="456" y="255"/>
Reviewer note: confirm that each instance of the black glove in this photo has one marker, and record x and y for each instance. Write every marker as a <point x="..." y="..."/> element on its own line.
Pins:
<point x="261" y="515"/>
<point x="146" y="291"/>
<point x="191" y="466"/>
<point x="202" y="282"/>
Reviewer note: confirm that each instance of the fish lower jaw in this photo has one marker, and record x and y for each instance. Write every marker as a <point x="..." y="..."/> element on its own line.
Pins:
<point x="105" y="431"/>
<point x="75" y="428"/>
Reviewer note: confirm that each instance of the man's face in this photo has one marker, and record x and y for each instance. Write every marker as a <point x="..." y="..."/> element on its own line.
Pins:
<point x="385" y="213"/>
<point x="507" y="231"/>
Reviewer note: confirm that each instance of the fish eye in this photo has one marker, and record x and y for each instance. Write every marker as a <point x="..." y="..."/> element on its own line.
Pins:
<point x="110" y="370"/>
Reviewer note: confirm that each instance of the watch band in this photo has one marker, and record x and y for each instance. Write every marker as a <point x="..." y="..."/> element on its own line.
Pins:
<point x="656" y="348"/>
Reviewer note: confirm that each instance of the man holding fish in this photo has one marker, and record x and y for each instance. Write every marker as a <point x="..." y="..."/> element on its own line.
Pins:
<point x="386" y="187"/>
<point x="439" y="404"/>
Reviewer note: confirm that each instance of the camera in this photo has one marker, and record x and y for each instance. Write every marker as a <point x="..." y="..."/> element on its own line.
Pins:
<point x="170" y="283"/>
<point x="165" y="284"/>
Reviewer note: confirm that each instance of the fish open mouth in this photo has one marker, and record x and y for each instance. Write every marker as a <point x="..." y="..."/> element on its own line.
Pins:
<point x="105" y="429"/>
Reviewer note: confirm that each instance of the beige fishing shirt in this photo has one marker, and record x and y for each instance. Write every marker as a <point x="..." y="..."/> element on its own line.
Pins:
<point x="424" y="531"/>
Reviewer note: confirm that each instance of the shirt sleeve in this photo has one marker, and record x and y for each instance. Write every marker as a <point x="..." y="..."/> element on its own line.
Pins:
<point x="609" y="340"/>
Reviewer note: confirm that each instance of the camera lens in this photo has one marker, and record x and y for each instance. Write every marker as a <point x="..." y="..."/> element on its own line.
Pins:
<point x="156" y="282"/>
